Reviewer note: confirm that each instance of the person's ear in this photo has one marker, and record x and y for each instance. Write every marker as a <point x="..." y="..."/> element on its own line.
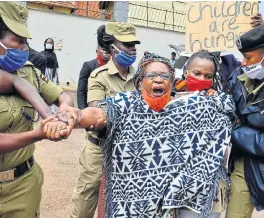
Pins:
<point x="112" y="48"/>
<point x="140" y="86"/>
<point x="185" y="74"/>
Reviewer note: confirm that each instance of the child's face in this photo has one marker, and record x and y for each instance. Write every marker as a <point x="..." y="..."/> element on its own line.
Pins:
<point x="11" y="40"/>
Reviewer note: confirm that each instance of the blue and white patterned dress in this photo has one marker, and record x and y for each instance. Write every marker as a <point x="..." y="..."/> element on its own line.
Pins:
<point x="156" y="161"/>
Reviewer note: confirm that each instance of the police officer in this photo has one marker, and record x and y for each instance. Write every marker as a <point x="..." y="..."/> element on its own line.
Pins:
<point x="247" y="87"/>
<point x="21" y="178"/>
<point x="110" y="79"/>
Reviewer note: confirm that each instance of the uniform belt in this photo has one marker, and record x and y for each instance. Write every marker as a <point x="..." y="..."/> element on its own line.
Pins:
<point x="20" y="170"/>
<point x="93" y="140"/>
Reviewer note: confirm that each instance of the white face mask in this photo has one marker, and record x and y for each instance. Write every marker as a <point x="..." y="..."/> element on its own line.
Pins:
<point x="255" y="71"/>
<point x="48" y="46"/>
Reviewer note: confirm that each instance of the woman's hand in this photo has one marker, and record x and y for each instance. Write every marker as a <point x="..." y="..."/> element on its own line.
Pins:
<point x="211" y="92"/>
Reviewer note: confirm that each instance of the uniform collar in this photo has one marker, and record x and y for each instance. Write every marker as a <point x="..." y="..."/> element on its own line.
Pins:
<point x="112" y="70"/>
<point x="249" y="84"/>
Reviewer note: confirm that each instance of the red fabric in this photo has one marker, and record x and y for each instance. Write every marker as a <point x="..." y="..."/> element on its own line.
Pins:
<point x="156" y="103"/>
<point x="100" y="60"/>
<point x="101" y="200"/>
<point x="193" y="84"/>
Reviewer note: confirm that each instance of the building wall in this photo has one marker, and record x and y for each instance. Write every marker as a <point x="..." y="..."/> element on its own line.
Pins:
<point x="169" y="15"/>
<point x="75" y="39"/>
<point x="47" y="7"/>
<point x="91" y="9"/>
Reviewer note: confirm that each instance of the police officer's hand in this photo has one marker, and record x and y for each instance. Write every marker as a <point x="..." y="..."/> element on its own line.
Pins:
<point x="55" y="130"/>
<point x="40" y="130"/>
<point x="74" y="117"/>
<point x="256" y="20"/>
<point x="52" y="129"/>
<point x="74" y="114"/>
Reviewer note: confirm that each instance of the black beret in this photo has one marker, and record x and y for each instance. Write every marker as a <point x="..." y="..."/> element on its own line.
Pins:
<point x="251" y="40"/>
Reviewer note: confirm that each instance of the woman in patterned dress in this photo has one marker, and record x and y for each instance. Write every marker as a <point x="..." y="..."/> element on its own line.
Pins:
<point x="161" y="153"/>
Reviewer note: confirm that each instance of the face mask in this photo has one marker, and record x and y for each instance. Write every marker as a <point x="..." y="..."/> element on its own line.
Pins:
<point x="100" y="60"/>
<point x="156" y="103"/>
<point x="123" y="58"/>
<point x="193" y="84"/>
<point x="49" y="46"/>
<point x="13" y="60"/>
<point x="255" y="71"/>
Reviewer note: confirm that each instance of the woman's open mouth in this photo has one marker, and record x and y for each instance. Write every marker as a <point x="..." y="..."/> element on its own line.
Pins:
<point x="158" y="91"/>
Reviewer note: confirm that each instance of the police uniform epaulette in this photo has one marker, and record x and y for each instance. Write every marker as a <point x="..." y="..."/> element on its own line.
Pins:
<point x="98" y="70"/>
<point x="28" y="63"/>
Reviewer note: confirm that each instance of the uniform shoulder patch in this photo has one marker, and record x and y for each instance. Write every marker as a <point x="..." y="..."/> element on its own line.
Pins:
<point x="28" y="63"/>
<point x="44" y="78"/>
<point x="97" y="71"/>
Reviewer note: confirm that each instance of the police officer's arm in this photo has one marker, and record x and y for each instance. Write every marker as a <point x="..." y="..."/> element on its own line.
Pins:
<point x="82" y="86"/>
<point x="10" y="142"/>
<point x="96" y="90"/>
<point x="249" y="140"/>
<point x="64" y="100"/>
<point x="51" y="93"/>
<point x="10" y="83"/>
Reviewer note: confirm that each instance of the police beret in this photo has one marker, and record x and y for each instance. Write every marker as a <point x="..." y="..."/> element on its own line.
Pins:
<point x="122" y="31"/>
<point x="251" y="40"/>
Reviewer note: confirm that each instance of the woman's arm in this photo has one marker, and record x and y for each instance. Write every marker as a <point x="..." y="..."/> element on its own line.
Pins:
<point x="92" y="116"/>
<point x="10" y="83"/>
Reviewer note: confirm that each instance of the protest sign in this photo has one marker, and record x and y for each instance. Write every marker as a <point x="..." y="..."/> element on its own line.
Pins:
<point x="215" y="25"/>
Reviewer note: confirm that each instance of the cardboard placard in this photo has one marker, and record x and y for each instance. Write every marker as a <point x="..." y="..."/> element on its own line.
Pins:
<point x="215" y="25"/>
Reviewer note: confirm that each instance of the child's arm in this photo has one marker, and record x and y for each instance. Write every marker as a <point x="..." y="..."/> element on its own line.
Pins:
<point x="10" y="83"/>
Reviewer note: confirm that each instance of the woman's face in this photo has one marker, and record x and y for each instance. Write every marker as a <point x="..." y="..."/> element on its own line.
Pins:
<point x="157" y="79"/>
<point x="11" y="40"/>
<point x="49" y="41"/>
<point x="201" y="69"/>
<point x="252" y="57"/>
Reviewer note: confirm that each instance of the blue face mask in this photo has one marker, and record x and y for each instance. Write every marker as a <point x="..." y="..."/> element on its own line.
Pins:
<point x="124" y="59"/>
<point x="13" y="60"/>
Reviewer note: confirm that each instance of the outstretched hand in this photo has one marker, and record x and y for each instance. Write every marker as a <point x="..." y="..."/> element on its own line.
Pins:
<point x="75" y="116"/>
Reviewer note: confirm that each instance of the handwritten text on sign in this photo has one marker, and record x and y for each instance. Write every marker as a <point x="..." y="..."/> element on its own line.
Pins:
<point x="215" y="26"/>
